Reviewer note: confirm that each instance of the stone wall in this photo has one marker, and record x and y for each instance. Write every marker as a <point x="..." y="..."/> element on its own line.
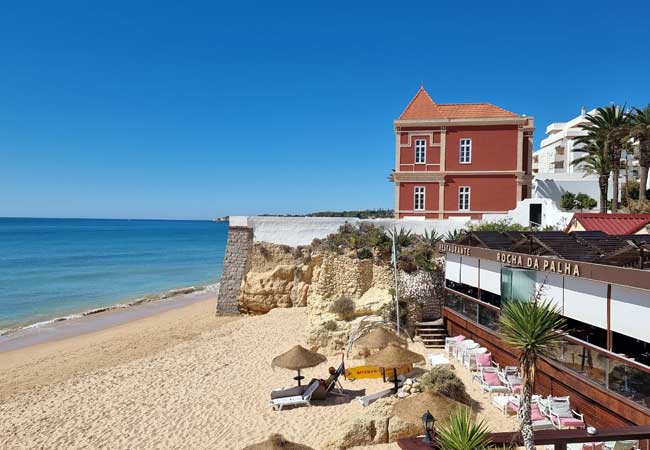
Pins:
<point x="236" y="264"/>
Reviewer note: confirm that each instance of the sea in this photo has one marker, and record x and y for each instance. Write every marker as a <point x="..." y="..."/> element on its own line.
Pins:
<point x="52" y="269"/>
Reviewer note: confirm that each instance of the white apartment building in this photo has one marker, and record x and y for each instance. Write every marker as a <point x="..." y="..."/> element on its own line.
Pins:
<point x="556" y="150"/>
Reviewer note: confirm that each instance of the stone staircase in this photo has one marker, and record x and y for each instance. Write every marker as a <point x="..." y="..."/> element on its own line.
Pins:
<point x="433" y="333"/>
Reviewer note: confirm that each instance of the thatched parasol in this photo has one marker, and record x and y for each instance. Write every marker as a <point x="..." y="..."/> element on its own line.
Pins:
<point x="277" y="442"/>
<point x="379" y="338"/>
<point x="392" y="357"/>
<point x="298" y="358"/>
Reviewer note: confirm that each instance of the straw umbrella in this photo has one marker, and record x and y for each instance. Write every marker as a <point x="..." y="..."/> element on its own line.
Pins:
<point x="277" y="442"/>
<point x="379" y="338"/>
<point x="298" y="358"/>
<point x="392" y="357"/>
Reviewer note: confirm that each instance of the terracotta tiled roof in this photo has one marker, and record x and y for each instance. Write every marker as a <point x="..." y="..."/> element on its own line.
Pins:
<point x="616" y="224"/>
<point x="423" y="107"/>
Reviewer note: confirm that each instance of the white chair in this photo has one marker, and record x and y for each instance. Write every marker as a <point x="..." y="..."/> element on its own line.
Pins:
<point x="463" y="347"/>
<point x="294" y="400"/>
<point x="469" y="357"/>
<point x="511" y="380"/>
<point x="450" y="343"/>
<point x="621" y="445"/>
<point x="491" y="383"/>
<point x="560" y="412"/>
<point x="538" y="418"/>
<point x="438" y="360"/>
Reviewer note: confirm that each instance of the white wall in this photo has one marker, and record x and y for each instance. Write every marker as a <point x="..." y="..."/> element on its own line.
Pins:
<point x="551" y="215"/>
<point x="452" y="267"/>
<point x="552" y="286"/>
<point x="586" y="301"/>
<point x="630" y="312"/>
<point x="469" y="271"/>
<point x="491" y="276"/>
<point x="295" y="231"/>
<point x="553" y="186"/>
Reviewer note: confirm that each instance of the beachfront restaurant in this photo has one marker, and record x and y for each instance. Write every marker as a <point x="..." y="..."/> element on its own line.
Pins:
<point x="600" y="283"/>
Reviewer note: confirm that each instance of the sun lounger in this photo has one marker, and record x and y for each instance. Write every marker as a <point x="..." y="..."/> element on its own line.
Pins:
<point x="450" y="343"/>
<point x="469" y="357"/>
<point x="563" y="417"/>
<point x="371" y="398"/>
<point x="621" y="445"/>
<point x="438" y="360"/>
<point x="491" y="383"/>
<point x="292" y="396"/>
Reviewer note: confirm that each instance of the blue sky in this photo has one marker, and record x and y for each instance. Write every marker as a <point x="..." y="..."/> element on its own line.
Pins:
<point x="200" y="109"/>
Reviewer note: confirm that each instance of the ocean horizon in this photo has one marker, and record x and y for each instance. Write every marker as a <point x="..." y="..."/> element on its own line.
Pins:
<point x="55" y="267"/>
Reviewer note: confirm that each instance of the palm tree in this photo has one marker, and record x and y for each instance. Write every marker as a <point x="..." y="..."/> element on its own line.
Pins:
<point x="533" y="328"/>
<point x="609" y="125"/>
<point x="463" y="432"/>
<point x="640" y="131"/>
<point x="595" y="161"/>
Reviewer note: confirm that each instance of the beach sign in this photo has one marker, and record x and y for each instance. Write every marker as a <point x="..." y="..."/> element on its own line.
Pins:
<point x="357" y="372"/>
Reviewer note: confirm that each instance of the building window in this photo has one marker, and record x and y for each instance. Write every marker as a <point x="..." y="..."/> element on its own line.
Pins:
<point x="463" y="198"/>
<point x="418" y="199"/>
<point x="465" y="151"/>
<point x="420" y="151"/>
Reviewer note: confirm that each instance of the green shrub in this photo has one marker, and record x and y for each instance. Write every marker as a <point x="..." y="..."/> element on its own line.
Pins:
<point x="583" y="201"/>
<point x="568" y="201"/>
<point x="343" y="307"/>
<point x="441" y="380"/>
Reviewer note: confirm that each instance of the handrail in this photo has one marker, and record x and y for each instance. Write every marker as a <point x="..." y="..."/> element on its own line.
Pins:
<point x="558" y="438"/>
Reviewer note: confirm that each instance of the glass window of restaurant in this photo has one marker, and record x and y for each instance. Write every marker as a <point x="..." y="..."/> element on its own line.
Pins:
<point x="517" y="284"/>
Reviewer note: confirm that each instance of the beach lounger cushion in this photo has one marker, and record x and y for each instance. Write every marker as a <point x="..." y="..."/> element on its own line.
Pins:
<point x="484" y="360"/>
<point x="288" y="392"/>
<point x="295" y="400"/>
<point x="535" y="413"/>
<point x="492" y="379"/>
<point x="571" y="422"/>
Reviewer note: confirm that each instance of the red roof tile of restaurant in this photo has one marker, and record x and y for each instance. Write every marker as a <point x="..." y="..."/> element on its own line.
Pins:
<point x="615" y="224"/>
<point x="423" y="107"/>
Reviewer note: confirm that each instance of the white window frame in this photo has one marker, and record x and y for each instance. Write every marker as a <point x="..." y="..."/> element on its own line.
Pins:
<point x="419" y="190"/>
<point x="467" y="144"/>
<point x="421" y="144"/>
<point x="462" y="191"/>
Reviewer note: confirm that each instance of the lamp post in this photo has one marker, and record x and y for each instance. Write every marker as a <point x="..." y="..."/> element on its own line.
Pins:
<point x="429" y="427"/>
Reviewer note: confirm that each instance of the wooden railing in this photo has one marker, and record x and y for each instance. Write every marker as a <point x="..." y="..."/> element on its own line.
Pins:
<point x="557" y="438"/>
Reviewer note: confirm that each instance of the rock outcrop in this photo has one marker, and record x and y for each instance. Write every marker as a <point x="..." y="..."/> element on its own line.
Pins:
<point x="377" y="425"/>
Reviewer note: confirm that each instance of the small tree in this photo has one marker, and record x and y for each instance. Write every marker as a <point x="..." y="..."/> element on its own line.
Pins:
<point x="533" y="328"/>
<point x="583" y="201"/>
<point x="568" y="201"/>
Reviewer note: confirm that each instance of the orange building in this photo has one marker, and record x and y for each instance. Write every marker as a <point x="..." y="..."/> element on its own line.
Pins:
<point x="464" y="159"/>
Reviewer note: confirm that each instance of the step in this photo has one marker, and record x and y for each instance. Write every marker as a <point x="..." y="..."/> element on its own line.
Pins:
<point x="438" y="322"/>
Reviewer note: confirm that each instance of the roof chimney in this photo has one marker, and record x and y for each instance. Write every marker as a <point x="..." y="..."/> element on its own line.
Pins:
<point x="583" y="111"/>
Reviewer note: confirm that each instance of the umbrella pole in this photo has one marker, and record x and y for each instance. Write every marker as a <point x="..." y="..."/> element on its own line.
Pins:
<point x="395" y="379"/>
<point x="299" y="377"/>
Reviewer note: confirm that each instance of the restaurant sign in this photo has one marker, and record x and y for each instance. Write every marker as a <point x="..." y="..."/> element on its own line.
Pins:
<point x="541" y="264"/>
<point x="443" y="247"/>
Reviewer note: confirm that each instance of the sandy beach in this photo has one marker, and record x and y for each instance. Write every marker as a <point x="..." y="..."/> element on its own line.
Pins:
<point x="180" y="379"/>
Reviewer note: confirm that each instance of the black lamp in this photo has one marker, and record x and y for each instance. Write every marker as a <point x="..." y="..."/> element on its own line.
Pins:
<point x="429" y="430"/>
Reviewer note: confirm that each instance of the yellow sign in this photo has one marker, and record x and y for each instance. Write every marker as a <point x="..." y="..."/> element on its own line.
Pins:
<point x="354" y="373"/>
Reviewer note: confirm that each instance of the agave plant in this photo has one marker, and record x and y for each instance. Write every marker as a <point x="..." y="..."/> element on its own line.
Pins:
<point x="431" y="238"/>
<point x="534" y="329"/>
<point x="453" y="235"/>
<point x="403" y="237"/>
<point x="463" y="432"/>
